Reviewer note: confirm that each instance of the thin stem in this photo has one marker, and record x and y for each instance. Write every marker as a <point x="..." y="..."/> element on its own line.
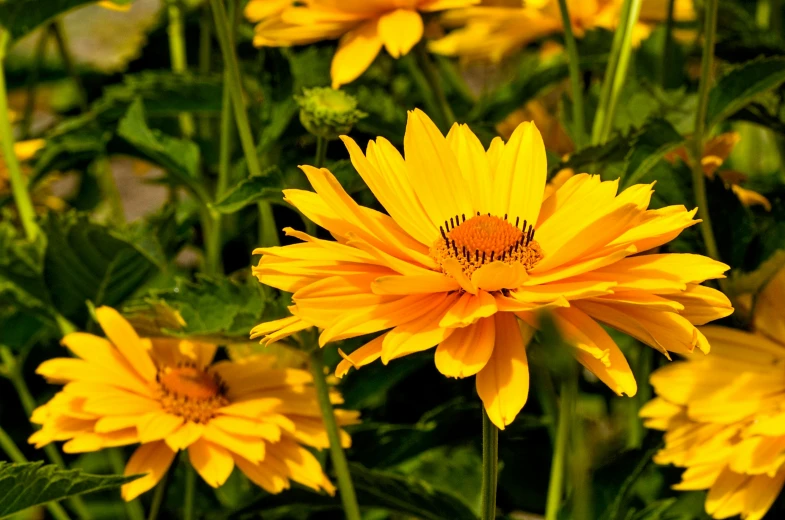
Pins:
<point x="556" y="483"/>
<point x="32" y="83"/>
<point x="490" y="466"/>
<point x="178" y="56"/>
<point x="575" y="76"/>
<point x="13" y="452"/>
<point x="435" y="84"/>
<point x="133" y="508"/>
<point x="109" y="189"/>
<point x="667" y="49"/>
<point x="22" y="199"/>
<point x="190" y="487"/>
<point x="158" y="497"/>
<point x="56" y="28"/>
<point x="321" y="152"/>
<point x="616" y="72"/>
<point x="454" y="78"/>
<point x="213" y="243"/>
<point x="205" y="40"/>
<point x="698" y="177"/>
<point x="345" y="486"/>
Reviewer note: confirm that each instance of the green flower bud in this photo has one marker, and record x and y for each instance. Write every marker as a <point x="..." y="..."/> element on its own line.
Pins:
<point x="328" y="113"/>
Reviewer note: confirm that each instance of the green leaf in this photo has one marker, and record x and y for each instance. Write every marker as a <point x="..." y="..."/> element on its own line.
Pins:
<point x="20" y="17"/>
<point x="649" y="145"/>
<point x="219" y="310"/>
<point x="32" y="483"/>
<point x="265" y="187"/>
<point x="87" y="261"/>
<point x="742" y="85"/>
<point x="21" y="269"/>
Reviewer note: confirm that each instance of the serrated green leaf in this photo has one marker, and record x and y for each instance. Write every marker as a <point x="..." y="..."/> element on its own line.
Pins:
<point x="649" y="145"/>
<point x="26" y="485"/>
<point x="742" y="85"/>
<point x="20" y="17"/>
<point x="21" y="269"/>
<point x="266" y="187"/>
<point x="218" y="310"/>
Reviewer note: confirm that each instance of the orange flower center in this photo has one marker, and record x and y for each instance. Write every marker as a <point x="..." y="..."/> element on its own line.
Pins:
<point x="190" y="392"/>
<point x="483" y="239"/>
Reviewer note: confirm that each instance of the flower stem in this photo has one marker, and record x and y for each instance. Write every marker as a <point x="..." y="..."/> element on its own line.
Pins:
<point x="667" y="48"/>
<point x="133" y="508"/>
<point x="698" y="177"/>
<point x="345" y="486"/>
<point x="190" y="487"/>
<point x="490" y="466"/>
<point x="32" y="83"/>
<point x="178" y="56"/>
<point x="13" y="452"/>
<point x="158" y="497"/>
<point x="616" y="72"/>
<point x="321" y="152"/>
<point x="57" y="31"/>
<point x="575" y="76"/>
<point x="267" y="228"/>
<point x="22" y="199"/>
<point x="205" y="40"/>
<point x="556" y="483"/>
<point x="435" y="84"/>
<point x="109" y="189"/>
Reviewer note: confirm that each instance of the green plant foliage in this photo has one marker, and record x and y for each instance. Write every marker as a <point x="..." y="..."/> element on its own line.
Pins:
<point x="30" y="484"/>
<point x="22" y="16"/>
<point x="253" y="189"/>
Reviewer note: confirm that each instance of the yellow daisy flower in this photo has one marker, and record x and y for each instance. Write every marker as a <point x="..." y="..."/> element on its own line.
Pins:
<point x="469" y="252"/>
<point x="491" y="32"/>
<point x="724" y="414"/>
<point x="167" y="395"/>
<point x="363" y="26"/>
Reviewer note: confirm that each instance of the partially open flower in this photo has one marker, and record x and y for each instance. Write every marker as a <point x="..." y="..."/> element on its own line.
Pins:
<point x="328" y="113"/>
<point x="168" y="395"/>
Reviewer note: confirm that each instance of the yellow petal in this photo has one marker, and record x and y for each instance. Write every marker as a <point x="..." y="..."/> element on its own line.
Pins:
<point x="503" y="384"/>
<point x="364" y="355"/>
<point x="184" y="436"/>
<point x="157" y="426"/>
<point x="768" y="316"/>
<point x="249" y="446"/>
<point x="466" y="351"/>
<point x="414" y="284"/>
<point x="468" y="309"/>
<point x="474" y="165"/>
<point x="400" y="30"/>
<point x="151" y="459"/>
<point x="419" y="334"/>
<point x="356" y="51"/>
<point x="263" y="474"/>
<point x="496" y="276"/>
<point x="124" y="337"/>
<point x="211" y="461"/>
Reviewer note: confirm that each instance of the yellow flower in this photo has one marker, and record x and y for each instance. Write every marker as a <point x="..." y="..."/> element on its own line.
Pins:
<point x="724" y="414"/>
<point x="490" y="32"/>
<point x="41" y="194"/>
<point x="166" y="395"/>
<point x="115" y="5"/>
<point x="715" y="152"/>
<point x="363" y="26"/>
<point x="470" y="252"/>
<point x="553" y="133"/>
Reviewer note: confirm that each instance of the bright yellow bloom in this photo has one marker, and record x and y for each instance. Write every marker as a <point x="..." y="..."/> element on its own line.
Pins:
<point x="469" y="252"/>
<point x="363" y="26"/>
<point x="490" y="32"/>
<point x="715" y="152"/>
<point x="166" y="395"/>
<point x="724" y="414"/>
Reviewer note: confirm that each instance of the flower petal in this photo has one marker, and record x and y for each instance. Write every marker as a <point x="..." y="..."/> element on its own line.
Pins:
<point x="467" y="350"/>
<point x="519" y="179"/>
<point x="356" y="51"/>
<point x="211" y="461"/>
<point x="400" y="30"/>
<point x="364" y="355"/>
<point x="124" y="337"/>
<point x="152" y="459"/>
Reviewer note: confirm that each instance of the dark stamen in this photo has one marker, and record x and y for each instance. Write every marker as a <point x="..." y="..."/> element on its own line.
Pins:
<point x="444" y="235"/>
<point x="463" y="217"/>
<point x="483" y="257"/>
<point x="517" y="219"/>
<point x="476" y="255"/>
<point x="492" y="252"/>
<point x="505" y="216"/>
<point x="451" y="222"/>
<point x="524" y="226"/>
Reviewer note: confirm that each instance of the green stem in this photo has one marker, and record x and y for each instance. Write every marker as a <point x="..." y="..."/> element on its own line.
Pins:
<point x="56" y="28"/>
<point x="22" y="199"/>
<point x="455" y="80"/>
<point x="32" y="83"/>
<point x="616" y="72"/>
<point x="158" y="497"/>
<point x="698" y="177"/>
<point x="190" y="487"/>
<point x="490" y="466"/>
<point x="205" y="40"/>
<point x="109" y="189"/>
<point x="321" y="152"/>
<point x="178" y="56"/>
<point x="345" y="486"/>
<point x="435" y="84"/>
<point x="643" y="360"/>
<point x="13" y="452"/>
<point x="667" y="49"/>
<point x="556" y="483"/>
<point x="133" y="509"/>
<point x="575" y="76"/>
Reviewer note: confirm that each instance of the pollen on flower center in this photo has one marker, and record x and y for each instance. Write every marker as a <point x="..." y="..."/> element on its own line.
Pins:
<point x="191" y="392"/>
<point x="482" y="239"/>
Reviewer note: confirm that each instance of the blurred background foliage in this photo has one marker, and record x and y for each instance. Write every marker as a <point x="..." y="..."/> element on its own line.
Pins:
<point x="121" y="191"/>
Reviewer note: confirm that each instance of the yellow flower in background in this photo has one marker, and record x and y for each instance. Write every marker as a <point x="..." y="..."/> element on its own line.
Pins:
<point x="491" y="32"/>
<point x="363" y="26"/>
<point x="469" y="252"/>
<point x="553" y="133"/>
<point x="167" y="395"/>
<point x="41" y="194"/>
<point x="715" y="152"/>
<point x="724" y="414"/>
<point x="116" y="5"/>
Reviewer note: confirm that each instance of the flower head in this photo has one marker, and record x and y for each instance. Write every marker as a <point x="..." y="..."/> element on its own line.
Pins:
<point x="469" y="253"/>
<point x="724" y="415"/>
<point x="363" y="26"/>
<point x="167" y="395"/>
<point x="328" y="113"/>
